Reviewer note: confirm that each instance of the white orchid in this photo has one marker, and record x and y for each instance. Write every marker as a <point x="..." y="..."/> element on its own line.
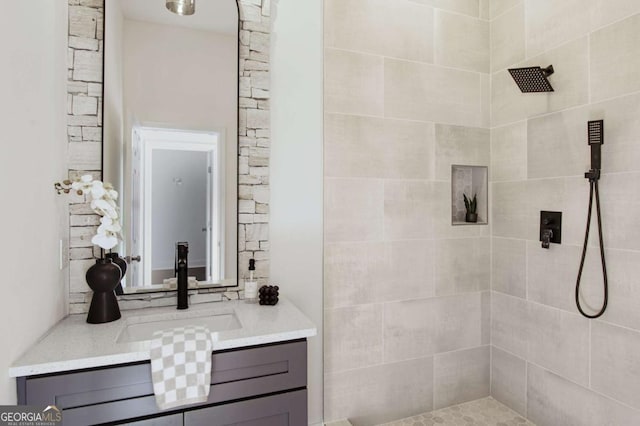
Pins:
<point x="103" y="202"/>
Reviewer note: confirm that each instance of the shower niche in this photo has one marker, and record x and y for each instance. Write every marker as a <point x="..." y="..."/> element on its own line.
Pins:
<point x="469" y="181"/>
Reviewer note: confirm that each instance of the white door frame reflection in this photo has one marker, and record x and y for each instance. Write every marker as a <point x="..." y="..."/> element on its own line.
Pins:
<point x="146" y="140"/>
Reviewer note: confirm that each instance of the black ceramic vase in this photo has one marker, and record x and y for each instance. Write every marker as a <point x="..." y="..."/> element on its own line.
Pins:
<point x="123" y="267"/>
<point x="103" y="277"/>
<point x="471" y="217"/>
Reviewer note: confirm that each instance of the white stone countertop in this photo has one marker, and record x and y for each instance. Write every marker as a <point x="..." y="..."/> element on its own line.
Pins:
<point x="73" y="344"/>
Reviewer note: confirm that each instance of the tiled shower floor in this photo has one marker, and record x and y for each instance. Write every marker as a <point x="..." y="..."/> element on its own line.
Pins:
<point x="481" y="412"/>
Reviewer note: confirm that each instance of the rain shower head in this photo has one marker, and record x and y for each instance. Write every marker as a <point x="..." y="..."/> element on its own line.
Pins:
<point x="532" y="79"/>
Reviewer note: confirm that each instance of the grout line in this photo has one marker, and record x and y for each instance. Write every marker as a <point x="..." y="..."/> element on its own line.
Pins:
<point x="576" y="314"/>
<point x="589" y="355"/>
<point x="504" y="12"/>
<point x="528" y="362"/>
<point x="526" y="271"/>
<point x="413" y="61"/>
<point x="525" y="29"/>
<point x="568" y="109"/>
<point x="393" y="362"/>
<point x="589" y="94"/>
<point x="409" y="120"/>
<point x="581" y="176"/>
<point x="585" y="34"/>
<point x="526" y="389"/>
<point x="433" y="383"/>
<point x="490" y="369"/>
<point x="384" y="355"/>
<point x="453" y="12"/>
<point x="421" y="299"/>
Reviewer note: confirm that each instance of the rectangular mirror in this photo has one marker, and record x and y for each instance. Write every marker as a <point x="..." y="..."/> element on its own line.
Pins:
<point x="170" y="120"/>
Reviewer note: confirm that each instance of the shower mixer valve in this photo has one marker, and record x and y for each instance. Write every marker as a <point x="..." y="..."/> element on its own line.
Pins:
<point x="550" y="228"/>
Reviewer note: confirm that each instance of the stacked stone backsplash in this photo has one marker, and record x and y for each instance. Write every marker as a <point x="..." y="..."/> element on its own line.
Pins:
<point x="84" y="129"/>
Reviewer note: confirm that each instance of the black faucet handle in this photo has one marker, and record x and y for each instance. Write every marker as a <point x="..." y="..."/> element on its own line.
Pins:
<point x="547" y="235"/>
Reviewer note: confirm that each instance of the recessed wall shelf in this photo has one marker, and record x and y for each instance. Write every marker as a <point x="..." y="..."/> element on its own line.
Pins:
<point x="469" y="180"/>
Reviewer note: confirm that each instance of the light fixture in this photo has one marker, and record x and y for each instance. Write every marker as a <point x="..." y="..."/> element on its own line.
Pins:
<point x="182" y="7"/>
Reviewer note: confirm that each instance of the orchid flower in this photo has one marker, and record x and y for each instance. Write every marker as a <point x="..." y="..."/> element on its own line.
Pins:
<point x="103" y="202"/>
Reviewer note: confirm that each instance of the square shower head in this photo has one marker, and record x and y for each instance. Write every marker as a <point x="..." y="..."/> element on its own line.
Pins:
<point x="532" y="79"/>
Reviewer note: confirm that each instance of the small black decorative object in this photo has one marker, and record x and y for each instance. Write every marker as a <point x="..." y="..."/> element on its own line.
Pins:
<point x="268" y="295"/>
<point x="472" y="208"/>
<point x="123" y="267"/>
<point x="103" y="277"/>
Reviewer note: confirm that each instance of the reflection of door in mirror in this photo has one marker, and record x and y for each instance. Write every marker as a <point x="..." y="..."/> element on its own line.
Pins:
<point x="182" y="182"/>
<point x="170" y="116"/>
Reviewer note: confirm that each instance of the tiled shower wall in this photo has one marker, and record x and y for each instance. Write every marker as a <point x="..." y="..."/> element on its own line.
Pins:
<point x="548" y="362"/>
<point x="406" y="294"/>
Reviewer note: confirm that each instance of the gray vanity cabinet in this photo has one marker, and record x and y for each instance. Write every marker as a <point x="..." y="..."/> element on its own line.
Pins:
<point x="287" y="409"/>
<point x="254" y="386"/>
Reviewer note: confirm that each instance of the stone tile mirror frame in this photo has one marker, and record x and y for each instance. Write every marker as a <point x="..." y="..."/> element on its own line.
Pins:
<point x="85" y="57"/>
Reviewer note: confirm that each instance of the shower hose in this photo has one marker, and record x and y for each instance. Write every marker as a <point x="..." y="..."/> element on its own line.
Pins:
<point x="594" y="189"/>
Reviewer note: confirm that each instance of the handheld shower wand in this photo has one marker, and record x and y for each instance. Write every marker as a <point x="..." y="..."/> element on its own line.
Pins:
<point x="596" y="139"/>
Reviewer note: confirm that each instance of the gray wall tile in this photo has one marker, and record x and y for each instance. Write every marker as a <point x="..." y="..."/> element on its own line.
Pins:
<point x="374" y="395"/>
<point x="461" y="376"/>
<point x="353" y="210"/>
<point x="559" y="341"/>
<point x="461" y="41"/>
<point x="462" y="265"/>
<point x="507" y="38"/>
<point x="407" y="209"/>
<point x="508" y="266"/>
<point x="615" y="364"/>
<point x="417" y="328"/>
<point x="509" y="323"/>
<point x="424" y="92"/>
<point x="468" y="146"/>
<point x="362" y="74"/>
<point x="615" y="59"/>
<point x="399" y="30"/>
<point x="467" y="7"/>
<point x="509" y="152"/>
<point x="356" y="146"/>
<point x="509" y="380"/>
<point x="352" y="337"/>
<point x="552" y="401"/>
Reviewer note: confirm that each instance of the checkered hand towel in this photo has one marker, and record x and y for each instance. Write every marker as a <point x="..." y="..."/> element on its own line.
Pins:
<point x="181" y="366"/>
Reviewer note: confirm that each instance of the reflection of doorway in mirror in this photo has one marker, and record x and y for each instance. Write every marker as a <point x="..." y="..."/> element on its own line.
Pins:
<point x="181" y="180"/>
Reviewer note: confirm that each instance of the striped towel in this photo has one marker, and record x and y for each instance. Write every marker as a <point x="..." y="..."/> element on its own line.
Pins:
<point x="181" y="366"/>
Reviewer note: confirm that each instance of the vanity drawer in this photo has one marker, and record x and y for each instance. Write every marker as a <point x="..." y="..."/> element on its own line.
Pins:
<point x="287" y="409"/>
<point x="126" y="391"/>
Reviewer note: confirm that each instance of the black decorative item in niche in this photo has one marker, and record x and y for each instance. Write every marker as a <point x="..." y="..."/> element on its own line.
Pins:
<point x="471" y="205"/>
<point x="469" y="195"/>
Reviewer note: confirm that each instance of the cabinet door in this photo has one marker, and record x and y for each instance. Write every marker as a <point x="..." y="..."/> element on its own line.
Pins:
<point x="286" y="409"/>
<point x="172" y="420"/>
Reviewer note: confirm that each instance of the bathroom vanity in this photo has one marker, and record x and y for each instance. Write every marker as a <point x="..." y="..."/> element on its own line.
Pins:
<point x="101" y="374"/>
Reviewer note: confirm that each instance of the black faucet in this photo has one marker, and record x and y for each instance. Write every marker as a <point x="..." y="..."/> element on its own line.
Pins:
<point x="182" y="271"/>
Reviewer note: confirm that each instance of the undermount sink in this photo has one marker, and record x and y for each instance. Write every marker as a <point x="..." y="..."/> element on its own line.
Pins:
<point x="140" y="329"/>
